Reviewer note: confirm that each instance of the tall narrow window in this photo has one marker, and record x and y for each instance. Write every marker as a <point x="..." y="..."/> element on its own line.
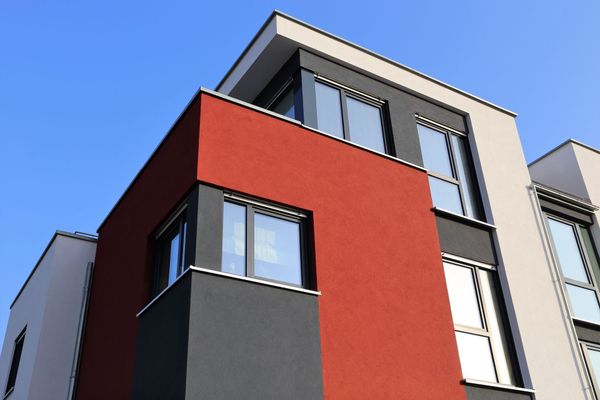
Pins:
<point x="263" y="242"/>
<point x="451" y="183"/>
<point x="170" y="246"/>
<point x="579" y="267"/>
<point x="349" y="115"/>
<point x="480" y="332"/>
<point x="14" y="365"/>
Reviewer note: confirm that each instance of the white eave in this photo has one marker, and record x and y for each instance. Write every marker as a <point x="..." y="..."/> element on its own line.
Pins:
<point x="281" y="35"/>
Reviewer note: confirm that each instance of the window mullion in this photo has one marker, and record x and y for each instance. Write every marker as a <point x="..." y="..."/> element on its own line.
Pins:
<point x="454" y="167"/>
<point x="345" y="123"/>
<point x="249" y="240"/>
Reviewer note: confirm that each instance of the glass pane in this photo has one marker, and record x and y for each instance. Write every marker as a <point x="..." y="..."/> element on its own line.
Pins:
<point x="569" y="256"/>
<point x="364" y="122"/>
<point x="16" y="360"/>
<point x="475" y="357"/>
<point x="496" y="328"/>
<point x="463" y="296"/>
<point x="594" y="356"/>
<point x="329" y="110"/>
<point x="234" y="239"/>
<point x="584" y="303"/>
<point x="434" y="150"/>
<point x="591" y="253"/>
<point x="285" y="105"/>
<point x="464" y="176"/>
<point x="173" y="258"/>
<point x="277" y="249"/>
<point x="445" y="195"/>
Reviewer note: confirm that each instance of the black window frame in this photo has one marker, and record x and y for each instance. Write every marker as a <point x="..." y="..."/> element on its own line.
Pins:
<point x="178" y="220"/>
<point x="448" y="132"/>
<point x="253" y="207"/>
<point x="374" y="101"/>
<point x="18" y="346"/>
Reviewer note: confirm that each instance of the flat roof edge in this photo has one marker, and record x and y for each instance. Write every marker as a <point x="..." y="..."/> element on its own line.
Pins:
<point x="570" y="140"/>
<point x="54" y="236"/>
<point x="363" y="49"/>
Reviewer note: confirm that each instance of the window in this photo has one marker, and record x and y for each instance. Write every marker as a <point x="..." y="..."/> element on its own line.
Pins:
<point x="14" y="365"/>
<point x="263" y="242"/>
<point x="591" y="354"/>
<point x="576" y="257"/>
<point x="480" y="330"/>
<point x="446" y="157"/>
<point x="170" y="247"/>
<point x="284" y="102"/>
<point x="349" y="115"/>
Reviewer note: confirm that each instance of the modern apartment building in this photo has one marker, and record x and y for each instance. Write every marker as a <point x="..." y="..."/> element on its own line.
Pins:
<point x="330" y="224"/>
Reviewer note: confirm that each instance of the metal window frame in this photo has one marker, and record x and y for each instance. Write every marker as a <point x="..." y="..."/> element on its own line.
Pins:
<point x="347" y="92"/>
<point x="288" y="86"/>
<point x="177" y="220"/>
<point x="593" y="285"/>
<point x="253" y="207"/>
<point x="585" y="349"/>
<point x="451" y="157"/>
<point x="483" y="307"/>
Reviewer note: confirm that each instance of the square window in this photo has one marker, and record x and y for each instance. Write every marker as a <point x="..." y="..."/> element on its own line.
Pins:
<point x="263" y="242"/>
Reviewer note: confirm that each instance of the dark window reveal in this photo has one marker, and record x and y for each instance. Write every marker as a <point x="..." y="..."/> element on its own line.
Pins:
<point x="14" y="366"/>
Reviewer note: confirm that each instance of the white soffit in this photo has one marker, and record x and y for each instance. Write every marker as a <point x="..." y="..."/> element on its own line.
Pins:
<point x="282" y="34"/>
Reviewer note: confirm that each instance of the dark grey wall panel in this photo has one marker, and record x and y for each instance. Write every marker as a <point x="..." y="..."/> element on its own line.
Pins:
<point x="566" y="212"/>
<point x="210" y="227"/>
<point x="490" y="393"/>
<point x="587" y="333"/>
<point x="465" y="240"/>
<point x="402" y="105"/>
<point x="251" y="341"/>
<point x="161" y="348"/>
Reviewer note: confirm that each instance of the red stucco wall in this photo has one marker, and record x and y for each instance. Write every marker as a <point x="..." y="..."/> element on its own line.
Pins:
<point x="386" y="327"/>
<point x="121" y="281"/>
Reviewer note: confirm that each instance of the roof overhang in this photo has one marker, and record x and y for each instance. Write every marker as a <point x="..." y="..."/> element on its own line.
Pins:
<point x="281" y="35"/>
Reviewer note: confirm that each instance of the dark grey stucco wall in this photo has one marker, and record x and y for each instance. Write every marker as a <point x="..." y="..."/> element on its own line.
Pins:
<point x="489" y="393"/>
<point x="465" y="240"/>
<point x="252" y="341"/>
<point x="161" y="351"/>
<point x="209" y="227"/>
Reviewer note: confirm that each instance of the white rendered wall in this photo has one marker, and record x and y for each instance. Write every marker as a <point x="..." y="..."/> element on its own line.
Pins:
<point x="50" y="306"/>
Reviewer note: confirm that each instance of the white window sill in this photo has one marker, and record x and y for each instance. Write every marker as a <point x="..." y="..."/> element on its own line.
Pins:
<point x="501" y="386"/>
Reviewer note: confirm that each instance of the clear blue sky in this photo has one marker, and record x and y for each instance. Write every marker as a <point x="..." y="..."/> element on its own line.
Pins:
<point x="88" y="89"/>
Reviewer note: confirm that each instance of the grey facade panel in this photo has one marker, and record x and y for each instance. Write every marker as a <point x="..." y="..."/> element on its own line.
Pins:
<point x="210" y="227"/>
<point x="250" y="341"/>
<point x="566" y="212"/>
<point x="162" y="342"/>
<point x="466" y="240"/>
<point x="491" y="393"/>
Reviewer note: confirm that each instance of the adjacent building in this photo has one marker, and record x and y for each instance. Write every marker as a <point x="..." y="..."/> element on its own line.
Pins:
<point x="41" y="345"/>
<point x="330" y="224"/>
